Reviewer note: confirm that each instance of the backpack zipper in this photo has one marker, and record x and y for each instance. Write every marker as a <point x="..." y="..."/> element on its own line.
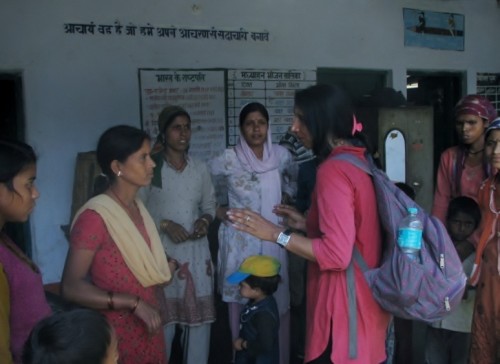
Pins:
<point x="447" y="303"/>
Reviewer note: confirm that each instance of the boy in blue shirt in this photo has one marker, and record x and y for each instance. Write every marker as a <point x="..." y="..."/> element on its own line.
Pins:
<point x="258" y="278"/>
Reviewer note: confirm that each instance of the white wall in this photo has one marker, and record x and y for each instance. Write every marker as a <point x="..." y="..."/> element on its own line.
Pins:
<point x="77" y="86"/>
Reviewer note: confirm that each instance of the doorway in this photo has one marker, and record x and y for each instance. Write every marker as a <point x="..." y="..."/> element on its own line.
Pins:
<point x="442" y="91"/>
<point x="12" y="126"/>
<point x="11" y="106"/>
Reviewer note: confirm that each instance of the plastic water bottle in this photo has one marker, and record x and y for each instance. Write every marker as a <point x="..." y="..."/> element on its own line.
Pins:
<point x="410" y="235"/>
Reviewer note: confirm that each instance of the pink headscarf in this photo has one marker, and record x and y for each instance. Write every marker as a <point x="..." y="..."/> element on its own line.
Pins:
<point x="268" y="171"/>
<point x="476" y="105"/>
<point x="250" y="162"/>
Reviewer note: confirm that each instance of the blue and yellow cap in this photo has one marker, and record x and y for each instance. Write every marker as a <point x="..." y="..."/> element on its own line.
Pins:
<point x="256" y="265"/>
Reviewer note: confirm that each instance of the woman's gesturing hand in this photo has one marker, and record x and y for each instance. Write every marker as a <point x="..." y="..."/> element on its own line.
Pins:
<point x="251" y="222"/>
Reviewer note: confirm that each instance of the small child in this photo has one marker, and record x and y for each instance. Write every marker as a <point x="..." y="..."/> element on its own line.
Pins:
<point x="258" y="278"/>
<point x="448" y="340"/>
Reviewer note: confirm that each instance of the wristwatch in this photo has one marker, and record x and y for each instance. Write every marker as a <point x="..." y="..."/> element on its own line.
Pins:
<point x="284" y="238"/>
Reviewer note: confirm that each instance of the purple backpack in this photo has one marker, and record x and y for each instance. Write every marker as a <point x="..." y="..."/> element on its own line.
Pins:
<point x="425" y="291"/>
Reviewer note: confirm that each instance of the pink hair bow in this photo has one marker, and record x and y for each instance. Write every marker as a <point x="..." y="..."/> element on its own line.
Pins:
<point x="356" y="126"/>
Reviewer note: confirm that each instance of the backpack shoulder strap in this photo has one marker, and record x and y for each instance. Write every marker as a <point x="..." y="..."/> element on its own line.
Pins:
<point x="360" y="261"/>
<point x="351" y="300"/>
<point x="358" y="162"/>
<point x="352" y="315"/>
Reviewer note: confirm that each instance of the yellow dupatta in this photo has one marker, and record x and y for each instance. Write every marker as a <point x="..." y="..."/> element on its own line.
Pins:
<point x="148" y="265"/>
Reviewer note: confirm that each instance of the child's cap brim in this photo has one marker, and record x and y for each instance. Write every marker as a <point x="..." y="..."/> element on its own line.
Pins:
<point x="237" y="277"/>
<point x="256" y="265"/>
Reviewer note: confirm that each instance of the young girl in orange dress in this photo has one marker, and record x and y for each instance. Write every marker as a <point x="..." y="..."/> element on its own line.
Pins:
<point x="486" y="271"/>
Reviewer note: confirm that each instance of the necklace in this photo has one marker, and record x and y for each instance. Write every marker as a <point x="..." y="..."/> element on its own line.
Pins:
<point x="178" y="168"/>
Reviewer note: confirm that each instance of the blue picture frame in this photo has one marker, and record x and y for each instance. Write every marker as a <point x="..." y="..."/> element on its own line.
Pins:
<point x="436" y="30"/>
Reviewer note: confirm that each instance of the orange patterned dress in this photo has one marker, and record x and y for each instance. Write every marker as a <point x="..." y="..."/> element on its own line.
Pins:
<point x="485" y="345"/>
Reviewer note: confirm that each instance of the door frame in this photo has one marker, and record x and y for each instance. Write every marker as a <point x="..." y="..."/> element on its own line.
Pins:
<point x="13" y="127"/>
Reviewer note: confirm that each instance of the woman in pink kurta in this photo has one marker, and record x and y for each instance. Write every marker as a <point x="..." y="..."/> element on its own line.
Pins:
<point x="343" y="214"/>
<point x="116" y="262"/>
<point x="110" y="273"/>
<point x="462" y="168"/>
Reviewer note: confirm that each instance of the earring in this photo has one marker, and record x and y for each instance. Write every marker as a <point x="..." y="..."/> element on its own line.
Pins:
<point x="119" y="174"/>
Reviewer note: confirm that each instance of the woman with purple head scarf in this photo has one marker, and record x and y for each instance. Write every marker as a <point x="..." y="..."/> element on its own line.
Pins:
<point x="463" y="167"/>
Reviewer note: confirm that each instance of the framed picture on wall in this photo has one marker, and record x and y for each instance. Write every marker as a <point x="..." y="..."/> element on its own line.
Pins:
<point x="436" y="30"/>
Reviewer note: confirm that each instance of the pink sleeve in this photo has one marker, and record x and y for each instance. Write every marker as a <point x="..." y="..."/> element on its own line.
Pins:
<point x="335" y="200"/>
<point x="88" y="232"/>
<point x="442" y="194"/>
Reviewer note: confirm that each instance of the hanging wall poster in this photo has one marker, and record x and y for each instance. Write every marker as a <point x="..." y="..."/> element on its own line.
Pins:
<point x="436" y="30"/>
